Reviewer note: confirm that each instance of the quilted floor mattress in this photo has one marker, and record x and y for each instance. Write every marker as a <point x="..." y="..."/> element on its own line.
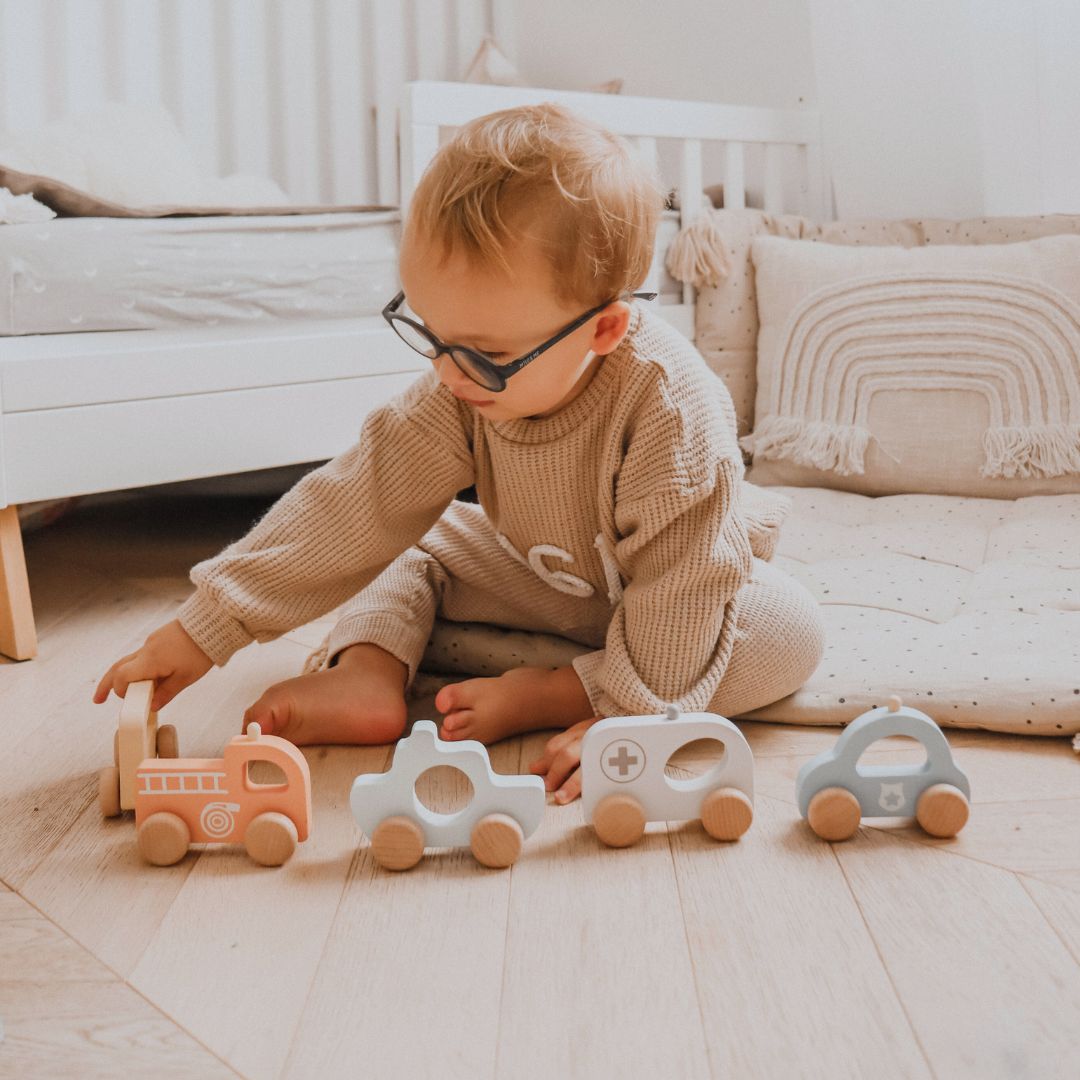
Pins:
<point x="969" y="609"/>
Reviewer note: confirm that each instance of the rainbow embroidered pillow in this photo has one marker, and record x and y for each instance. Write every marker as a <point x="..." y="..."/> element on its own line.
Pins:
<point x="937" y="370"/>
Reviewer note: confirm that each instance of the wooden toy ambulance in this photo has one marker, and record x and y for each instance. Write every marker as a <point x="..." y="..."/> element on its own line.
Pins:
<point x="504" y="810"/>
<point x="215" y="800"/>
<point x="137" y="738"/>
<point x="834" y="792"/>
<point x="624" y="785"/>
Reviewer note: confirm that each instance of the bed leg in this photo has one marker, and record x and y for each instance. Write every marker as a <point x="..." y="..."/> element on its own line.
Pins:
<point x="18" y="638"/>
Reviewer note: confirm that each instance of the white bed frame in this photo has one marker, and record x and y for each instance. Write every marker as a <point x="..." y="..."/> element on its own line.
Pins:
<point x="82" y="413"/>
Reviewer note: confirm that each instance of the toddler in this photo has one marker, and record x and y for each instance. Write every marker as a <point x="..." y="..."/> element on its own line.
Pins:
<point x="612" y="505"/>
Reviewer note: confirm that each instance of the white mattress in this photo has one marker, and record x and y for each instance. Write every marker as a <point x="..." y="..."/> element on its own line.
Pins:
<point x="87" y="274"/>
<point x="79" y="274"/>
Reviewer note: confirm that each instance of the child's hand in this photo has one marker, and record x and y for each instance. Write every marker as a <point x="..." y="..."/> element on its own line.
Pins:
<point x="168" y="656"/>
<point x="560" y="760"/>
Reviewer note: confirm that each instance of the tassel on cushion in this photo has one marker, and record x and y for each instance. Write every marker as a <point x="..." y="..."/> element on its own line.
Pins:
<point x="1037" y="450"/>
<point x="840" y="448"/>
<point x="697" y="255"/>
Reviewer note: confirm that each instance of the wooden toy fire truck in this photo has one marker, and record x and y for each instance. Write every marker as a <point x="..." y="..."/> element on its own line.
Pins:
<point x="187" y="801"/>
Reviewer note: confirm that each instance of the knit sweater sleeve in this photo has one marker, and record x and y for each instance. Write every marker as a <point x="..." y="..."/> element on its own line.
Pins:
<point x="683" y="548"/>
<point x="338" y="528"/>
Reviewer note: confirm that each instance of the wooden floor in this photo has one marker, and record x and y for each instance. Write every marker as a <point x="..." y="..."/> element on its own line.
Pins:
<point x="779" y="956"/>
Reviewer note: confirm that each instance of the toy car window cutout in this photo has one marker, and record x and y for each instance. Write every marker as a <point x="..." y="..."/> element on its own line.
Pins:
<point x="260" y="773"/>
<point x="893" y="744"/>
<point x="445" y="790"/>
<point x="695" y="763"/>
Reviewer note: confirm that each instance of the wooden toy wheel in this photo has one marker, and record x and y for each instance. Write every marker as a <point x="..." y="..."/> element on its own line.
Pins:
<point x="619" y="820"/>
<point x="726" y="813"/>
<point x="271" y="839"/>
<point x="942" y="810"/>
<point x="164" y="838"/>
<point x="398" y="843"/>
<point x="496" y="840"/>
<point x="834" y="814"/>
<point x="109" y="791"/>
<point x="168" y="742"/>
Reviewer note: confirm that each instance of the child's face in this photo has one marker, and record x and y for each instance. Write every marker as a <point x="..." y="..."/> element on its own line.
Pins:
<point x="506" y="316"/>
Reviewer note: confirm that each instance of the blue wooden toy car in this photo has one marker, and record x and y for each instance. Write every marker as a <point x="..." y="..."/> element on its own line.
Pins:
<point x="834" y="792"/>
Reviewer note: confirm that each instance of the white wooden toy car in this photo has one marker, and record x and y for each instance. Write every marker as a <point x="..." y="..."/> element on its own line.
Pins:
<point x="834" y="792"/>
<point x="137" y="738"/>
<point x="624" y="785"/>
<point x="504" y="810"/>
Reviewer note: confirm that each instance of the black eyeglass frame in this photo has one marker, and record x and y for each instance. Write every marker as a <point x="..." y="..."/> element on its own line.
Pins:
<point x="500" y="373"/>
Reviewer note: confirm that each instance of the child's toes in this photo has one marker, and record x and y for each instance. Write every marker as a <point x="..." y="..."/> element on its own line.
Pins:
<point x="461" y="695"/>
<point x="458" y="725"/>
<point x="266" y="714"/>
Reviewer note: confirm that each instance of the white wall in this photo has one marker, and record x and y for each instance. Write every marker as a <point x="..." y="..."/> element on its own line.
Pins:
<point x="930" y="107"/>
<point x="950" y="107"/>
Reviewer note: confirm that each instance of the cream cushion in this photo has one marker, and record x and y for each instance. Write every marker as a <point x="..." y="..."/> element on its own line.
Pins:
<point x="938" y="369"/>
<point x="726" y="322"/>
<point x="969" y="609"/>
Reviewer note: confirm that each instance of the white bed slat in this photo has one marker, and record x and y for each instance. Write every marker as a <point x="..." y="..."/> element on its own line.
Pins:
<point x="814" y="182"/>
<point x="349" y="125"/>
<point x="451" y="104"/>
<point x="734" y="176"/>
<point x="82" y="52"/>
<point x="430" y="54"/>
<point x="140" y="49"/>
<point x="774" y="178"/>
<point x="196" y="89"/>
<point x="504" y="26"/>
<point x="247" y="61"/>
<point x="23" y="69"/>
<point x="691" y="184"/>
<point x="299" y="105"/>
<point x="471" y="27"/>
<point x="389" y="78"/>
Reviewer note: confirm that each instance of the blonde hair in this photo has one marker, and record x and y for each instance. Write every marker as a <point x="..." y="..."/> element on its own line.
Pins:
<point x="543" y="172"/>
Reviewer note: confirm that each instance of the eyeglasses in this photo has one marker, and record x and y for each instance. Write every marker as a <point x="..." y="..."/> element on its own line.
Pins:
<point x="478" y="367"/>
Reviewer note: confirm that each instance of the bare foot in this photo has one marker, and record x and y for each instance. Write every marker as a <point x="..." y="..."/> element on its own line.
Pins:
<point x="522" y="699"/>
<point x="359" y="701"/>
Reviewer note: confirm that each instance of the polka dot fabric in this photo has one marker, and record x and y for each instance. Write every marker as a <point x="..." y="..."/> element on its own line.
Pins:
<point x="967" y="608"/>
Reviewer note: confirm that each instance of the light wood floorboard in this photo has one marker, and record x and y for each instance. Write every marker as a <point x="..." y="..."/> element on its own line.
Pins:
<point x="894" y="955"/>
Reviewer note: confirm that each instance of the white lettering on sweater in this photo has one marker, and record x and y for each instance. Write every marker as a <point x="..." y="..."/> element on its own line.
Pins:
<point x="557" y="579"/>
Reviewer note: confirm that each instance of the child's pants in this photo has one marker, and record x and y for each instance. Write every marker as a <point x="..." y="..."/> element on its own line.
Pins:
<point x="460" y="572"/>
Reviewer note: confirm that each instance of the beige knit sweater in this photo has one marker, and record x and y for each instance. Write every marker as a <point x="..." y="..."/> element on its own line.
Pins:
<point x="635" y="488"/>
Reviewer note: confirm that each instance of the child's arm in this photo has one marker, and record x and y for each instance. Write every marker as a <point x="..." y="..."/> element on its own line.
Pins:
<point x="683" y="551"/>
<point x="336" y="530"/>
<point x="686" y="555"/>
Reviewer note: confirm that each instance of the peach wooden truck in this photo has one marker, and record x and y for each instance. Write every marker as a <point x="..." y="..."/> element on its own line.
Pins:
<point x="186" y="801"/>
